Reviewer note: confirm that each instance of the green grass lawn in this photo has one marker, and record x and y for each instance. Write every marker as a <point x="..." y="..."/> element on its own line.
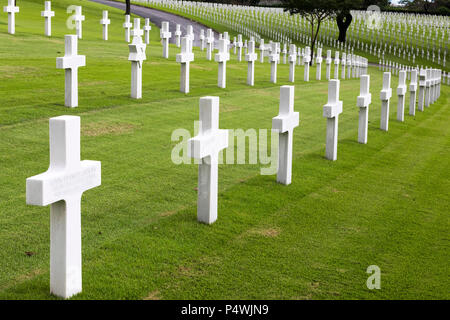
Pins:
<point x="385" y="203"/>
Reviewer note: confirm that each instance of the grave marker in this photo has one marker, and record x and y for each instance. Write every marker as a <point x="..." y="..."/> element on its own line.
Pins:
<point x="71" y="62"/>
<point x="206" y="147"/>
<point x="48" y="14"/>
<point x="401" y="90"/>
<point x="147" y="28"/>
<point x="274" y="59"/>
<point x="251" y="56"/>
<point x="285" y="123"/>
<point x="292" y="61"/>
<point x="412" y="93"/>
<point x="137" y="56"/>
<point x="61" y="187"/>
<point x="422" y="86"/>
<point x="185" y="58"/>
<point x="105" y="22"/>
<point x="331" y="111"/>
<point x="165" y="36"/>
<point x="11" y="9"/>
<point x="385" y="96"/>
<point x="222" y="57"/>
<point x="363" y="101"/>
<point x="79" y="18"/>
<point x="127" y="26"/>
<point x="319" y="64"/>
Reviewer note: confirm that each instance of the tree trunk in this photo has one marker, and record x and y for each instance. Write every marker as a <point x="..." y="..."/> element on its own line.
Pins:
<point x="343" y="20"/>
<point x="127" y="6"/>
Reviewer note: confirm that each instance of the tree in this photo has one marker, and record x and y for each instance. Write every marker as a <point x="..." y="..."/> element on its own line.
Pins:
<point x="314" y="11"/>
<point x="344" y="17"/>
<point x="127" y="6"/>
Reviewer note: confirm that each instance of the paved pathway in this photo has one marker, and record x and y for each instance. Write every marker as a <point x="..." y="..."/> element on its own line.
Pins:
<point x="157" y="17"/>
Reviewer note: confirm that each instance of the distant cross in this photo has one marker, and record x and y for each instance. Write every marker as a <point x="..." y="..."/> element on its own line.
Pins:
<point x="422" y="86"/>
<point x="61" y="187"/>
<point x="385" y="96"/>
<point x="331" y="111"/>
<point x="363" y="101"/>
<point x="306" y="61"/>
<point x="262" y="49"/>
<point x="127" y="26"/>
<point x="251" y="56"/>
<point x="178" y="35"/>
<point x="319" y="60"/>
<point x="147" y="29"/>
<point x="428" y="87"/>
<point x="206" y="146"/>
<point x="165" y="36"/>
<point x="48" y="14"/>
<point x="401" y="90"/>
<point x="336" y="65"/>
<point x="202" y="39"/>
<point x="343" y="62"/>
<point x="11" y="9"/>
<point x="209" y="44"/>
<point x="71" y="62"/>
<point x="412" y="92"/>
<point x="274" y="59"/>
<point x="105" y="22"/>
<point x="79" y="18"/>
<point x="292" y="60"/>
<point x="239" y="46"/>
<point x="222" y="57"/>
<point x="185" y="58"/>
<point x="328" y="63"/>
<point x="285" y="123"/>
<point x="136" y="56"/>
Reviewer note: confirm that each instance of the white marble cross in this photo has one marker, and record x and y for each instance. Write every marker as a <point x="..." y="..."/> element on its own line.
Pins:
<point x="11" y="9"/>
<point x="422" y="86"/>
<point x="190" y="33"/>
<point x="385" y="96"/>
<point x="202" y="39"/>
<point x="343" y="62"/>
<point x="284" y="53"/>
<point x="262" y="49"/>
<point x="79" y="18"/>
<point x="292" y="60"/>
<point x="206" y="146"/>
<point x="71" y="62"/>
<point x="274" y="59"/>
<point x="363" y="101"/>
<point x="306" y="61"/>
<point x="251" y="56"/>
<point x="147" y="28"/>
<point x="336" y="65"/>
<point x="185" y="58"/>
<point x="285" y="123"/>
<point x="328" y="63"/>
<point x="412" y="93"/>
<point x="239" y="45"/>
<point x="61" y="187"/>
<point x="401" y="90"/>
<point x="105" y="22"/>
<point x="331" y="111"/>
<point x="127" y="25"/>
<point x="178" y="35"/>
<point x="319" y="60"/>
<point x="165" y="36"/>
<point x="209" y="44"/>
<point x="222" y="57"/>
<point x="136" y="56"/>
<point x="48" y="14"/>
<point x="349" y="66"/>
<point x="428" y="87"/>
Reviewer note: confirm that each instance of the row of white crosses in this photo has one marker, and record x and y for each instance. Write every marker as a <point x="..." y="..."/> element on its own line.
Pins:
<point x="279" y="25"/>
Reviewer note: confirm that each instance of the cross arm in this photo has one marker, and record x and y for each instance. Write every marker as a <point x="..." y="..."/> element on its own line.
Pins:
<point x="58" y="184"/>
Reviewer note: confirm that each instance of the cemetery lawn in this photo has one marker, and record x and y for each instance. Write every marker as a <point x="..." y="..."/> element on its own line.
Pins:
<point x="385" y="203"/>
